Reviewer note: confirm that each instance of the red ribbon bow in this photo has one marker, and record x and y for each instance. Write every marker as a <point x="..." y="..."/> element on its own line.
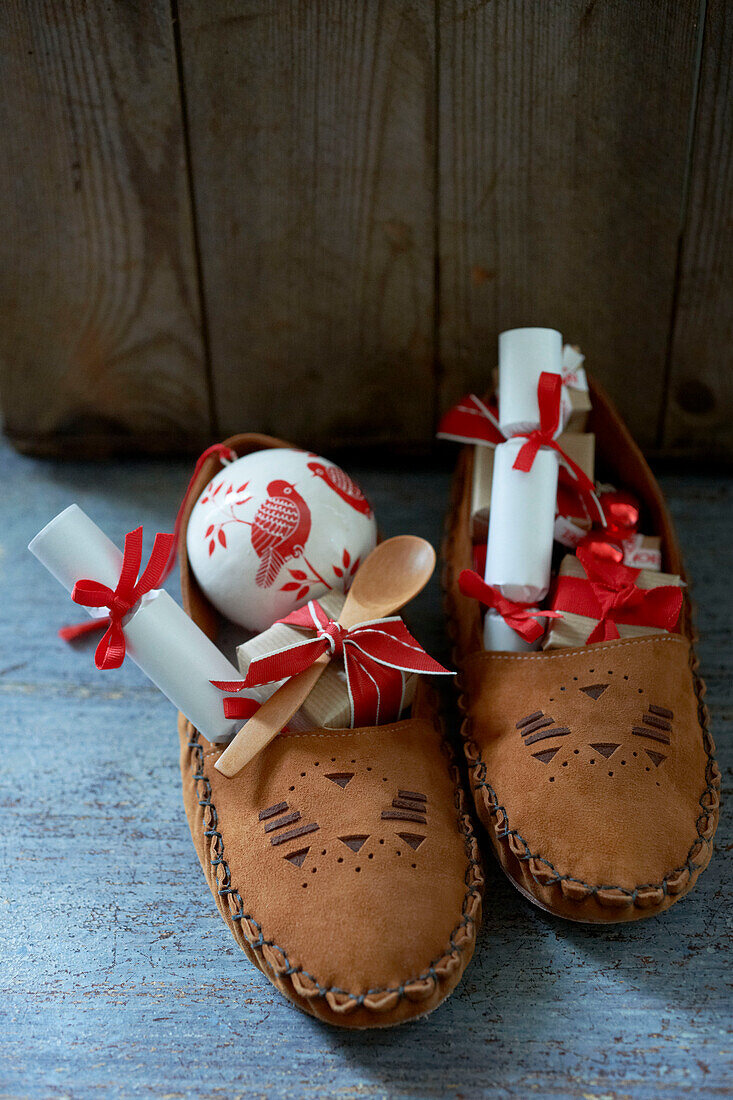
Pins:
<point x="470" y="421"/>
<point x="549" y="392"/>
<point x="70" y="633"/>
<point x="375" y="655"/>
<point x="521" y="617"/>
<point x="130" y="589"/>
<point x="609" y="593"/>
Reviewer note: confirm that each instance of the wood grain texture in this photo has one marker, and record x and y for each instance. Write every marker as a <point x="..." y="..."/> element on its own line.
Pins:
<point x="563" y="139"/>
<point x="699" y="413"/>
<point x="312" y="145"/>
<point x="100" y="340"/>
<point x="118" y="977"/>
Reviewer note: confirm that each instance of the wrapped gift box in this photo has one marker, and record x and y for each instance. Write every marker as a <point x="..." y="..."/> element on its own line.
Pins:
<point x="581" y="447"/>
<point x="643" y="552"/>
<point x="575" y="396"/>
<point x="573" y="521"/>
<point x="328" y="703"/>
<point x="574" y="629"/>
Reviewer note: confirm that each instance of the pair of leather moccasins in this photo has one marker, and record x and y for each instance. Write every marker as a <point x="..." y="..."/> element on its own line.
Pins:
<point x="365" y="911"/>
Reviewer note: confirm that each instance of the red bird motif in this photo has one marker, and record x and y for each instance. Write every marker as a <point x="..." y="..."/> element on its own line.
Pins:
<point x="280" y="530"/>
<point x="342" y="484"/>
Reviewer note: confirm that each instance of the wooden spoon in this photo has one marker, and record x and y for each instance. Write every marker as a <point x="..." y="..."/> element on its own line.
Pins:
<point x="394" y="572"/>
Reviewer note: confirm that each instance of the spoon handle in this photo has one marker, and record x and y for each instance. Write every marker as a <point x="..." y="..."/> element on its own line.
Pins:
<point x="265" y="725"/>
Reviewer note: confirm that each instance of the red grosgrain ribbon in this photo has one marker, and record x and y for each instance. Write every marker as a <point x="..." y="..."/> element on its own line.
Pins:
<point x="471" y="421"/>
<point x="609" y="593"/>
<point x="372" y="689"/>
<point x="521" y="617"/>
<point x="243" y="707"/>
<point x="607" y="548"/>
<point x="549" y="391"/>
<point x="130" y="589"/>
<point x="226" y="454"/>
<point x="571" y="500"/>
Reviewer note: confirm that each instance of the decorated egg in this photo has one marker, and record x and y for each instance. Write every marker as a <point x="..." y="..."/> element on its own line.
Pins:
<point x="275" y="529"/>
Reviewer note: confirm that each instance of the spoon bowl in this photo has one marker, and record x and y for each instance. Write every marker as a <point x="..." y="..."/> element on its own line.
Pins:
<point x="391" y="576"/>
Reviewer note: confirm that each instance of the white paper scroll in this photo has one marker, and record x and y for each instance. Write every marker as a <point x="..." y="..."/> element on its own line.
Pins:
<point x="524" y="353"/>
<point x="519" y="549"/>
<point x="160" y="637"/>
<point x="499" y="636"/>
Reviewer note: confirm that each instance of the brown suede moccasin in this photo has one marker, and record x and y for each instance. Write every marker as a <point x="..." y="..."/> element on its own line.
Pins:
<point x="608" y="822"/>
<point x="343" y="861"/>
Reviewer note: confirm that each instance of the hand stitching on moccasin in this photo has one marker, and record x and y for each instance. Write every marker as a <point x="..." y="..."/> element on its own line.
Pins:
<point x="470" y="905"/>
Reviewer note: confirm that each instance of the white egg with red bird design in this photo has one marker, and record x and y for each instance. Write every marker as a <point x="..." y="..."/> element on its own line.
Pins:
<point x="275" y="529"/>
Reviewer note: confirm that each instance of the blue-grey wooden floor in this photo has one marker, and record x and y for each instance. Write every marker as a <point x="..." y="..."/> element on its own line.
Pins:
<point x="118" y="976"/>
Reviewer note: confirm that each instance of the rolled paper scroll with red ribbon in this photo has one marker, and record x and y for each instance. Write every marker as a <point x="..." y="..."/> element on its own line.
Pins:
<point x="549" y="389"/>
<point x="521" y="524"/>
<point x="141" y="621"/>
<point x="372" y="653"/>
<point x="524" y="495"/>
<point x="524" y="485"/>
<point x="125" y="596"/>
<point x="525" y="354"/>
<point x="514" y="627"/>
<point x="603" y="600"/>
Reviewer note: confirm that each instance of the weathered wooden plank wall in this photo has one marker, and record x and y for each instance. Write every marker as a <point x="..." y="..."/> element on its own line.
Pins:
<point x="563" y="152"/>
<point x="700" y="395"/>
<point x="313" y="145"/>
<point x="99" y="322"/>
<point x="313" y="217"/>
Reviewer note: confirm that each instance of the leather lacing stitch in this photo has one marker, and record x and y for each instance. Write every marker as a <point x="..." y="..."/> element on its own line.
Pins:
<point x="503" y="832"/>
<point x="709" y="800"/>
<point x="470" y="908"/>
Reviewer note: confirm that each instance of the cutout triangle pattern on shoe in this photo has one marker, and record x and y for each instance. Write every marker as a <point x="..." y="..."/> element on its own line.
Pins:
<point x="595" y="691"/>
<point x="412" y="839"/>
<point x="341" y="779"/>
<point x="546" y="755"/>
<point x="353" y="842"/>
<point x="656" y="757"/>
<point x="297" y="858"/>
<point x="605" y="748"/>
